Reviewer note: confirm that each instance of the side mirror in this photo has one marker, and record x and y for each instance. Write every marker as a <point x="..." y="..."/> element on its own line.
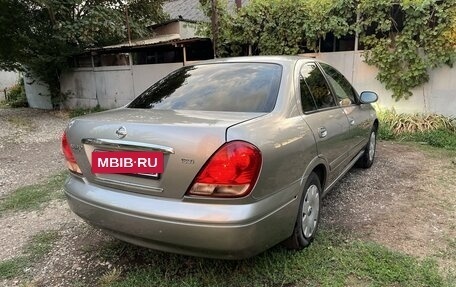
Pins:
<point x="368" y="97"/>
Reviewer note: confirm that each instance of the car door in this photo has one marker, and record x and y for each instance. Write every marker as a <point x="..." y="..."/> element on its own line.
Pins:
<point x="358" y="114"/>
<point x="325" y="118"/>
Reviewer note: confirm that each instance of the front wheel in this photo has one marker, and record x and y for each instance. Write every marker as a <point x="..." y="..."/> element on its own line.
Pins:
<point x="367" y="159"/>
<point x="308" y="217"/>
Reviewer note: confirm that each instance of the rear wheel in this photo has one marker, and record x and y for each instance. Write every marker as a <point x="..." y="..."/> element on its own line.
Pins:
<point x="308" y="217"/>
<point x="367" y="159"/>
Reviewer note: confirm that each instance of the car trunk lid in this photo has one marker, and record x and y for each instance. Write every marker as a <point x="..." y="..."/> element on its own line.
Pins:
<point x="186" y="139"/>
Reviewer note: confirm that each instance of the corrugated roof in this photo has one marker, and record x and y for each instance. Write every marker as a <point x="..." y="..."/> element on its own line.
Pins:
<point x="191" y="9"/>
<point x="156" y="41"/>
<point x="145" y="42"/>
<point x="185" y="9"/>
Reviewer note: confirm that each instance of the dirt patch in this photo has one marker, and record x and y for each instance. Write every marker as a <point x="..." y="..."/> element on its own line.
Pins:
<point x="17" y="228"/>
<point x="75" y="260"/>
<point x="29" y="146"/>
<point x="406" y="201"/>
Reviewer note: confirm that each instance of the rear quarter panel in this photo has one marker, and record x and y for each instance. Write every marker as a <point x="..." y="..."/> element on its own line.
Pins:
<point x="287" y="146"/>
<point x="285" y="140"/>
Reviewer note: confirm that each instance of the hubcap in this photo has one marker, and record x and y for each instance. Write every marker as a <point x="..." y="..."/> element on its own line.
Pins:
<point x="310" y="211"/>
<point x="372" y="146"/>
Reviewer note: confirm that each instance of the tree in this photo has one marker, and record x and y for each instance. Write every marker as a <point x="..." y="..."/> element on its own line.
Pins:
<point x="404" y="39"/>
<point x="279" y="26"/>
<point x="406" y="47"/>
<point x="39" y="36"/>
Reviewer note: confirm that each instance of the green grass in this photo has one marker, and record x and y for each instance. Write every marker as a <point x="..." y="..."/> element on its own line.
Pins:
<point x="13" y="267"/>
<point x="434" y="152"/>
<point x="436" y="138"/>
<point x="21" y="122"/>
<point x="38" y="246"/>
<point x="41" y="244"/>
<point x="3" y="104"/>
<point x="32" y="196"/>
<point x="330" y="261"/>
<point x="434" y="130"/>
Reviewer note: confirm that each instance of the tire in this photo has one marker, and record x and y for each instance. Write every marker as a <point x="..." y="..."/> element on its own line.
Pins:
<point x="367" y="159"/>
<point x="306" y="224"/>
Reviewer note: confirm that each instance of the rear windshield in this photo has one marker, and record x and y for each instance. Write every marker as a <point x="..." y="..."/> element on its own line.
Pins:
<point x="230" y="87"/>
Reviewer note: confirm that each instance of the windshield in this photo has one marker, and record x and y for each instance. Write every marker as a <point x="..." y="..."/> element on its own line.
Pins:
<point x="231" y="87"/>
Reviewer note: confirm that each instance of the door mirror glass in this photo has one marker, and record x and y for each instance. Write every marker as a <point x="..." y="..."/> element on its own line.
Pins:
<point x="368" y="97"/>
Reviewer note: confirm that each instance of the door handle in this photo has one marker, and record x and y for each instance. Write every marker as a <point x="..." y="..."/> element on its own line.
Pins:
<point x="351" y="121"/>
<point x="322" y="132"/>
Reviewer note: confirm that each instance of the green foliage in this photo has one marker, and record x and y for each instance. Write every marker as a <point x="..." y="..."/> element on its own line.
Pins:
<point x="16" y="96"/>
<point x="405" y="52"/>
<point x="283" y="27"/>
<point x="435" y="130"/>
<point x="411" y="123"/>
<point x="38" y="37"/>
<point x="405" y="39"/>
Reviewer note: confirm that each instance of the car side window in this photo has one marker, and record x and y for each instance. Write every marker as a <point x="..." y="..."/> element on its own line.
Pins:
<point x="316" y="83"/>
<point x="345" y="94"/>
<point x="307" y="100"/>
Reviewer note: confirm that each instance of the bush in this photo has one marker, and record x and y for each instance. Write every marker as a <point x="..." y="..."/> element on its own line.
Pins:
<point x="412" y="123"/>
<point x="385" y="132"/>
<point x="435" y="130"/>
<point x="16" y="96"/>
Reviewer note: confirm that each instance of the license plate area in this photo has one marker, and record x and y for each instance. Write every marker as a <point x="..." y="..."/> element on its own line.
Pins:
<point x="147" y="164"/>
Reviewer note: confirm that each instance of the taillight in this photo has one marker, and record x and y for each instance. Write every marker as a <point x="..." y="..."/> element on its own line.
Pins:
<point x="68" y="153"/>
<point x="231" y="171"/>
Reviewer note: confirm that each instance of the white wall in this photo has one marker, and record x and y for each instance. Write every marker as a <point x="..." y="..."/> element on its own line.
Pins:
<point x="80" y="87"/>
<point x="436" y="96"/>
<point x="37" y="93"/>
<point x="187" y="30"/>
<point x="116" y="86"/>
<point x="146" y="75"/>
<point x="110" y="87"/>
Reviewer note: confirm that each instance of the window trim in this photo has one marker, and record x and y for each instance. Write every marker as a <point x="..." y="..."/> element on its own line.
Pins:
<point x="277" y="91"/>
<point x="337" y="106"/>
<point x="358" y="102"/>
<point x="321" y="110"/>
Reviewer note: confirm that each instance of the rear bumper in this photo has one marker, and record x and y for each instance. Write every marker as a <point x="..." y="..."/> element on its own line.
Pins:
<point x="219" y="230"/>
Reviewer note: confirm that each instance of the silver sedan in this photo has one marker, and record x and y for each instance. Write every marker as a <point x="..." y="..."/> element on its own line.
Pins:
<point x="221" y="159"/>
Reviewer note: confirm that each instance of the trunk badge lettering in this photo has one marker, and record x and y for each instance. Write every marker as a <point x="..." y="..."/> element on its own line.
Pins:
<point x="187" y="161"/>
<point x="121" y="132"/>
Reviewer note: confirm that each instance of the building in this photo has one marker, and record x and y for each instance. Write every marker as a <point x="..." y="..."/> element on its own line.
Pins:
<point x="112" y="76"/>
